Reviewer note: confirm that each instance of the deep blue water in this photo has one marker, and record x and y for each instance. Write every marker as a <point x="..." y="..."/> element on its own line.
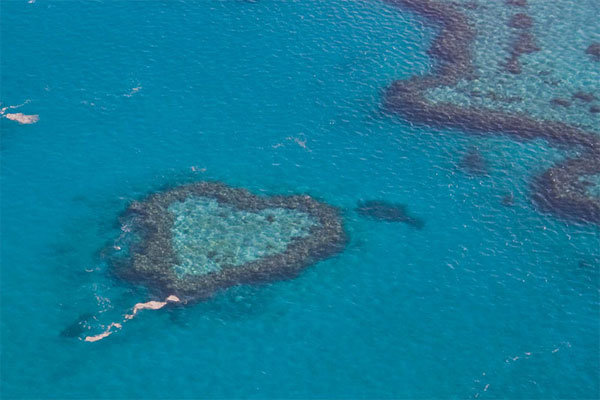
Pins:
<point x="231" y="88"/>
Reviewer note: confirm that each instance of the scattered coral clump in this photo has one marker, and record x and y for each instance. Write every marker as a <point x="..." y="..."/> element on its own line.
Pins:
<point x="390" y="212"/>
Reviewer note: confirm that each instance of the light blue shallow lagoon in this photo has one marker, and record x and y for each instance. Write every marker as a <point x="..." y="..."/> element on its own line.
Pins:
<point x="487" y="300"/>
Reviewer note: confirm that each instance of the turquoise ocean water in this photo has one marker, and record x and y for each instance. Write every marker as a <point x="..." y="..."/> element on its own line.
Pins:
<point x="278" y="97"/>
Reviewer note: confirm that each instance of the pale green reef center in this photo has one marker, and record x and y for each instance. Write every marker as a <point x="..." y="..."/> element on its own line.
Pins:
<point x="208" y="236"/>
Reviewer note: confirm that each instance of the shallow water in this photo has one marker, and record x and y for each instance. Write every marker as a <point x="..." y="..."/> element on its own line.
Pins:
<point x="207" y="236"/>
<point x="559" y="68"/>
<point x="279" y="98"/>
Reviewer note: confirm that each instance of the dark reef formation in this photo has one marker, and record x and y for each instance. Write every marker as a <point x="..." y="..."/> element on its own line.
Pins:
<point x="523" y="43"/>
<point x="152" y="254"/>
<point x="78" y="327"/>
<point x="594" y="50"/>
<point x="584" y="96"/>
<point x="390" y="212"/>
<point x="558" y="189"/>
<point x="561" y="189"/>
<point x="560" y="102"/>
<point x="508" y="200"/>
<point x="520" y="21"/>
<point x="517" y="3"/>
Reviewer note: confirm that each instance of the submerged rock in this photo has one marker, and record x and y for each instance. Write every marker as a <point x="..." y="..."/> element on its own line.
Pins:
<point x="391" y="212"/>
<point x="520" y="21"/>
<point x="508" y="200"/>
<point x="78" y="327"/>
<point x="474" y="163"/>
<point x="513" y="65"/>
<point x="560" y="102"/>
<point x="584" y="96"/>
<point x="195" y="239"/>
<point x="524" y="43"/>
<point x="594" y="50"/>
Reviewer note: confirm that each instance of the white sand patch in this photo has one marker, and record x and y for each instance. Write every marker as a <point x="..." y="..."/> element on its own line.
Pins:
<point x="19" y="117"/>
<point x="22" y="118"/>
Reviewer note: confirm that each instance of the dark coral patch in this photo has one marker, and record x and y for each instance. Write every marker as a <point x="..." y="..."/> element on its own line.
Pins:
<point x="560" y="191"/>
<point x="524" y="44"/>
<point x="520" y="21"/>
<point x="78" y="327"/>
<point x="560" y="102"/>
<point x="508" y="200"/>
<point x="513" y="65"/>
<point x="584" y="96"/>
<point x="470" y="5"/>
<point x="390" y="212"/>
<point x="594" y="50"/>
<point x="154" y="256"/>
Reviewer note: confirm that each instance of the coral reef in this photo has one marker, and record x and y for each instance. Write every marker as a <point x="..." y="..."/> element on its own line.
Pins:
<point x="195" y="239"/>
<point x="558" y="189"/>
<point x="390" y="212"/>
